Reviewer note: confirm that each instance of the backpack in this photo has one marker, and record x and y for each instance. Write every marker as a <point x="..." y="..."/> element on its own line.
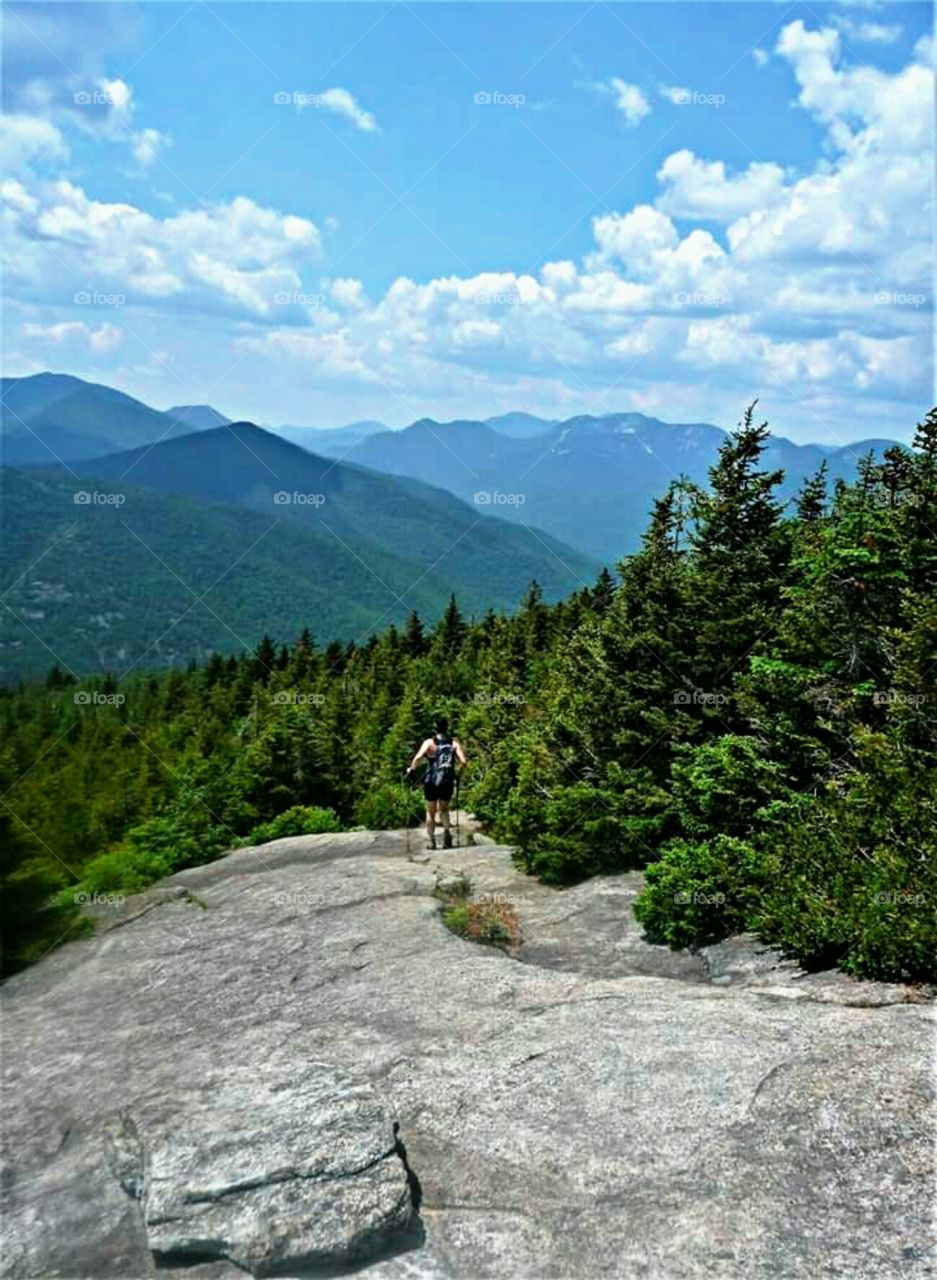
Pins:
<point x="441" y="766"/>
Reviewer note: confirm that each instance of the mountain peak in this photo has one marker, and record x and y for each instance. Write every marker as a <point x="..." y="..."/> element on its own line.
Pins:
<point x="199" y="417"/>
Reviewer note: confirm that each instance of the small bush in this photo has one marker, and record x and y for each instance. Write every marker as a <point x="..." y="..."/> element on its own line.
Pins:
<point x="491" y="924"/>
<point x="487" y="923"/>
<point x="152" y="849"/>
<point x="301" y="820"/>
<point x="700" y="892"/>
<point x="389" y="806"/>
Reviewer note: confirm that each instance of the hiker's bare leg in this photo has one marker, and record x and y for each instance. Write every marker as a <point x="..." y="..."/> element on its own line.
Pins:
<point x="444" y="815"/>
<point x="431" y="819"/>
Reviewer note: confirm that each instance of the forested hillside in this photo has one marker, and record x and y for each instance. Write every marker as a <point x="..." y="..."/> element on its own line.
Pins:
<point x="204" y="542"/>
<point x="748" y="710"/>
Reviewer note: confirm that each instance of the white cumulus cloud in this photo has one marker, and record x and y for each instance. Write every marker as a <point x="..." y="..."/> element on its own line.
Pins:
<point x="345" y="104"/>
<point x="696" y="188"/>
<point x="629" y="100"/>
<point x="235" y="257"/>
<point x="102" y="340"/>
<point x="27" y="140"/>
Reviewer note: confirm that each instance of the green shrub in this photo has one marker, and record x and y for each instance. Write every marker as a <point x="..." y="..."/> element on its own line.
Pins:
<point x="301" y="820"/>
<point x="724" y="787"/>
<point x="853" y="878"/>
<point x="389" y="806"/>
<point x="490" y="924"/>
<point x="152" y="849"/>
<point x="568" y="832"/>
<point x="456" y="918"/>
<point x="700" y="891"/>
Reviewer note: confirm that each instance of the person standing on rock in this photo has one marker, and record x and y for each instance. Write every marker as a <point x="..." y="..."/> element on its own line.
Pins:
<point x="444" y="757"/>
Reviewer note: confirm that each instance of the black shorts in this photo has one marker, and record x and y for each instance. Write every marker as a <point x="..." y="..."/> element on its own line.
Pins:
<point x="439" y="790"/>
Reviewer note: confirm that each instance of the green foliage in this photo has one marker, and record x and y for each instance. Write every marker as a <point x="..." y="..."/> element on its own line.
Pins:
<point x="492" y="924"/>
<point x="700" y="891"/>
<point x="817" y="824"/>
<point x="852" y="880"/>
<point x="152" y="849"/>
<point x="489" y="924"/>
<point x="389" y="806"/>
<point x="300" y="820"/>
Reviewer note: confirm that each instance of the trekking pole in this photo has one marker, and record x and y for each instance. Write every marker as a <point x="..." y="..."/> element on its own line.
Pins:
<point x="406" y="784"/>
<point x="458" y="831"/>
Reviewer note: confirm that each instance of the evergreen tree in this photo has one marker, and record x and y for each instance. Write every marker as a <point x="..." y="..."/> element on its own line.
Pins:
<point x="265" y="657"/>
<point x="450" y="631"/>
<point x="740" y="558"/>
<point x="811" y="501"/>
<point x="414" y="639"/>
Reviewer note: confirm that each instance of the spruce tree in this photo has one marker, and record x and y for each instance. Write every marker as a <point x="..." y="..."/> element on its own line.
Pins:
<point x="811" y="501"/>
<point x="414" y="639"/>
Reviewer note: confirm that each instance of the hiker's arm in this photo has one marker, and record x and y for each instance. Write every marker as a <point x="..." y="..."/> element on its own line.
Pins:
<point x="420" y="754"/>
<point x="460" y="754"/>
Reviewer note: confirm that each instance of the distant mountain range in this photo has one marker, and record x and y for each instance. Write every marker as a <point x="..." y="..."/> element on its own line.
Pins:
<point x="588" y="480"/>
<point x="53" y="417"/>
<point x="332" y="441"/>
<point x="105" y="563"/>
<point x="398" y="519"/>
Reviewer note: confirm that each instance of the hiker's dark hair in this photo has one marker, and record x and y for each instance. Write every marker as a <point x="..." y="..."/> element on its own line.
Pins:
<point x="442" y="724"/>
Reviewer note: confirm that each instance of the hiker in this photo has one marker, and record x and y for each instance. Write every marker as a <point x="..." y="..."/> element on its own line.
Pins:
<point x="444" y="756"/>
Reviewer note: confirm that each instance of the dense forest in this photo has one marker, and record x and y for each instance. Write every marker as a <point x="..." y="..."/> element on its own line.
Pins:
<point x="747" y="709"/>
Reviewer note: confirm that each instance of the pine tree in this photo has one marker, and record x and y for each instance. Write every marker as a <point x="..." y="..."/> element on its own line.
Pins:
<point x="918" y="516"/>
<point x="265" y="656"/>
<point x="603" y="591"/>
<point x="58" y="679"/>
<point x="450" y="631"/>
<point x="811" y="501"/>
<point x="741" y="555"/>
<point x="414" y="640"/>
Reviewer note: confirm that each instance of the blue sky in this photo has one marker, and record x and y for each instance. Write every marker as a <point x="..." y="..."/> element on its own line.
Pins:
<point x="465" y="209"/>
